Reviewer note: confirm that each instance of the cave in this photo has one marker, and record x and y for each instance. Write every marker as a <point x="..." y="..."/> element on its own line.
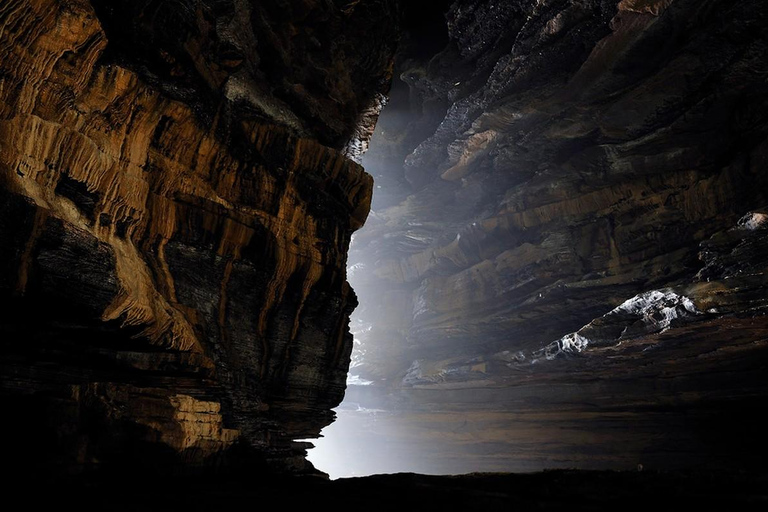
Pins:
<point x="477" y="254"/>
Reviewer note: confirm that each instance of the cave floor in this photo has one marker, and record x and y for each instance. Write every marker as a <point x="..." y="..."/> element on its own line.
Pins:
<point x="549" y="490"/>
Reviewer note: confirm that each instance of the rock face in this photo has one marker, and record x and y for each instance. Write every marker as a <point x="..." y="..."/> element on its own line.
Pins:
<point x="565" y="263"/>
<point x="566" y="225"/>
<point x="177" y="198"/>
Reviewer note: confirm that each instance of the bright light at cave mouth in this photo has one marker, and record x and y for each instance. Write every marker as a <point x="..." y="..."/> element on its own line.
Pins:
<point x="366" y="437"/>
<point x="370" y="435"/>
<point x="354" y="444"/>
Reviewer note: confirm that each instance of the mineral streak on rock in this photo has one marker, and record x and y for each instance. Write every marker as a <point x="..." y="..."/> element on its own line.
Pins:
<point x="176" y="211"/>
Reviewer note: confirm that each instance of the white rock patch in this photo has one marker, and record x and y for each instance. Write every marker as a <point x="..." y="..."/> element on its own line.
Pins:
<point x="753" y="221"/>
<point x="646" y="313"/>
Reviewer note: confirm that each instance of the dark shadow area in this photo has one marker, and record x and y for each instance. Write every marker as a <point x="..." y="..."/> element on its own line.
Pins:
<point x="551" y="490"/>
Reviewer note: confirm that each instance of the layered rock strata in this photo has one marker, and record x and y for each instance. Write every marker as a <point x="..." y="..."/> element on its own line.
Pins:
<point x="586" y="150"/>
<point x="573" y="238"/>
<point x="177" y="199"/>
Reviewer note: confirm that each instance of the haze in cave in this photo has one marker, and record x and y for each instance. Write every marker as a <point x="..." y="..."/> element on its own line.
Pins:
<point x="521" y="241"/>
<point x="532" y="296"/>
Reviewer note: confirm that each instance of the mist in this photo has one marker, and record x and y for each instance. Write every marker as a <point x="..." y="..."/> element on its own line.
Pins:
<point x="543" y="280"/>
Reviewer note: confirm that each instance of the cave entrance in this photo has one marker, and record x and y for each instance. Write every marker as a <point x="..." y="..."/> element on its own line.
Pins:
<point x="371" y="432"/>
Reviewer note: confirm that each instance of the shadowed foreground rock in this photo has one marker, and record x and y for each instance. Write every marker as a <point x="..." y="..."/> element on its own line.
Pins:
<point x="550" y="490"/>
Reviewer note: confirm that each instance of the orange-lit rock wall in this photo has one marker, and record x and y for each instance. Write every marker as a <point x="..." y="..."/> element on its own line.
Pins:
<point x="173" y="283"/>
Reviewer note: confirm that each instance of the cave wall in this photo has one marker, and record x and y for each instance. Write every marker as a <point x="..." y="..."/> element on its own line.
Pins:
<point x="568" y="243"/>
<point x="567" y="265"/>
<point x="178" y="192"/>
<point x="585" y="152"/>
